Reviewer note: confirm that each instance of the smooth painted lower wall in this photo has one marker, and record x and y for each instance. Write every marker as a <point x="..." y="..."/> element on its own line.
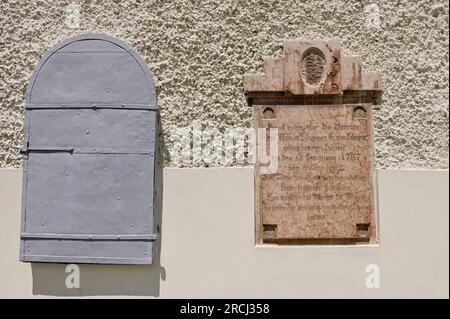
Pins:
<point x="207" y="246"/>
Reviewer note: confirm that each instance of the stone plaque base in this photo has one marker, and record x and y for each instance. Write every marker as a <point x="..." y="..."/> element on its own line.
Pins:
<point x="320" y="189"/>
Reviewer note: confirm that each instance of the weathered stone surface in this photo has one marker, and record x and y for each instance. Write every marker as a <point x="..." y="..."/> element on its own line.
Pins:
<point x="315" y="151"/>
<point x="322" y="189"/>
<point x="312" y="67"/>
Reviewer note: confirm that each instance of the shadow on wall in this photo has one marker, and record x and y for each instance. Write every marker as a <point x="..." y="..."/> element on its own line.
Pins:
<point x="136" y="280"/>
<point x="108" y="280"/>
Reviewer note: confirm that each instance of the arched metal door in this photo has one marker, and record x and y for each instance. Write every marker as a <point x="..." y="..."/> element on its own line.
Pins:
<point x="89" y="155"/>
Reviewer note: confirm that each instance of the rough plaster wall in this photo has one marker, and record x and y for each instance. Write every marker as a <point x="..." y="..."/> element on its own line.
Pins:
<point x="199" y="51"/>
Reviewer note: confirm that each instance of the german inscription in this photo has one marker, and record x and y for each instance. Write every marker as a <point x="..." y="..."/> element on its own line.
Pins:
<point x="322" y="188"/>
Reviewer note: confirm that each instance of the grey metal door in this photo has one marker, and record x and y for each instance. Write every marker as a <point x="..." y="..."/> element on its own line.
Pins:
<point x="89" y="155"/>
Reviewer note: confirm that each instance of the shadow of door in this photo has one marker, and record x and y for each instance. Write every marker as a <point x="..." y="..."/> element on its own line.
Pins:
<point x="135" y="280"/>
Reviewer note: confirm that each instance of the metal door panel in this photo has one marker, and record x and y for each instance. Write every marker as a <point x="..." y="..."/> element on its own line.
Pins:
<point x="90" y="134"/>
<point x="88" y="130"/>
<point x="89" y="193"/>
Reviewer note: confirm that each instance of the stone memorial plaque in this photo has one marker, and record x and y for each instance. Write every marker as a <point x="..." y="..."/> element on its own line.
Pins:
<point x="315" y="154"/>
<point x="323" y="185"/>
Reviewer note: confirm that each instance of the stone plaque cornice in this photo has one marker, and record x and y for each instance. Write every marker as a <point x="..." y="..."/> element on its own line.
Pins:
<point x="333" y="76"/>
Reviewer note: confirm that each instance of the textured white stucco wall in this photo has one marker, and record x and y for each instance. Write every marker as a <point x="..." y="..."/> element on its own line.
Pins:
<point x="199" y="51"/>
